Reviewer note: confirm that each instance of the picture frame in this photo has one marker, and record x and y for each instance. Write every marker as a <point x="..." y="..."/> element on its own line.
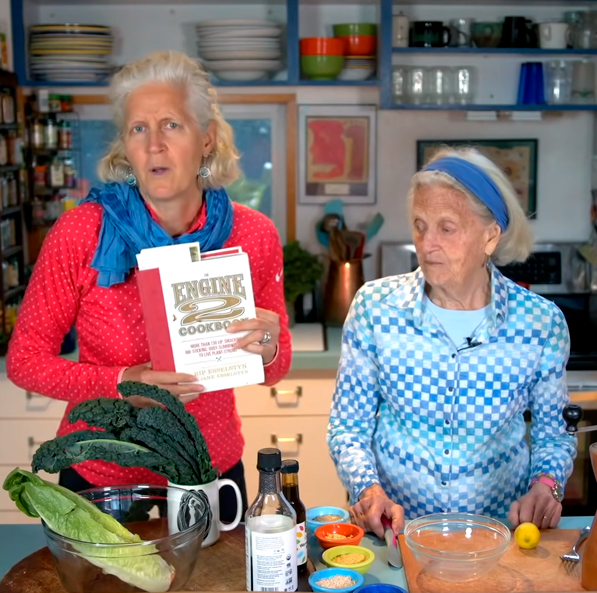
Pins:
<point x="337" y="147"/>
<point x="516" y="157"/>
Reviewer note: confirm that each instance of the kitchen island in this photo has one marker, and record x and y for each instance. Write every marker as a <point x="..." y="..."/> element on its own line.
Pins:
<point x="18" y="541"/>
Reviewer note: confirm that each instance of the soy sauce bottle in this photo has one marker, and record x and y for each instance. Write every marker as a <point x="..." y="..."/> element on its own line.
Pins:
<point x="290" y="489"/>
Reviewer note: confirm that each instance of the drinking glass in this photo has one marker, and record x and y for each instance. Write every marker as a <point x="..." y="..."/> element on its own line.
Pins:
<point x="558" y="82"/>
<point x="465" y="79"/>
<point x="417" y="84"/>
<point x="400" y="84"/>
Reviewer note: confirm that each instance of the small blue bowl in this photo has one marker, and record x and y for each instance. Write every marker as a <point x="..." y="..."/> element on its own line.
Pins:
<point x="327" y="573"/>
<point x="380" y="588"/>
<point x="314" y="512"/>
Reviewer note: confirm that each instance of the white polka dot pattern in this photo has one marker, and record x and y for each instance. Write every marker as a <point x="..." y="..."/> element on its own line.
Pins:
<point x="111" y="334"/>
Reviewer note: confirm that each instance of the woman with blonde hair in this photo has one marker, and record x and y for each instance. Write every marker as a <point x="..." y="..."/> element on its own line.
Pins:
<point x="163" y="179"/>
<point x="438" y="367"/>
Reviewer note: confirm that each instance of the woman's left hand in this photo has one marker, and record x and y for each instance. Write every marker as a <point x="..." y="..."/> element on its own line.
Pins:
<point x="263" y="336"/>
<point x="538" y="506"/>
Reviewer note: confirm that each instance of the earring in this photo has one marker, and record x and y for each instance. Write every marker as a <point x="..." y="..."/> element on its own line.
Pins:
<point x="204" y="171"/>
<point x="130" y="178"/>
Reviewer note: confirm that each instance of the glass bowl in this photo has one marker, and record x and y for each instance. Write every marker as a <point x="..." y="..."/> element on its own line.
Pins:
<point x="457" y="547"/>
<point x="172" y="523"/>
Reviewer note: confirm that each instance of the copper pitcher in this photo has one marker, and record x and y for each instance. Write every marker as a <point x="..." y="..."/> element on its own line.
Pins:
<point x="343" y="281"/>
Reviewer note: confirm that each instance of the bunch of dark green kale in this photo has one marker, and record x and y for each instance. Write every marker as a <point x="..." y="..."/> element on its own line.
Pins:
<point x="164" y="438"/>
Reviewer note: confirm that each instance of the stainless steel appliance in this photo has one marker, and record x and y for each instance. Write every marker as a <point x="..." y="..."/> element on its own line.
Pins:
<point x="559" y="273"/>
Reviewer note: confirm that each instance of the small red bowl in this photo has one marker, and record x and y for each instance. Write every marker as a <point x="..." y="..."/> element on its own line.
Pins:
<point x="353" y="534"/>
<point x="322" y="46"/>
<point x="359" y="45"/>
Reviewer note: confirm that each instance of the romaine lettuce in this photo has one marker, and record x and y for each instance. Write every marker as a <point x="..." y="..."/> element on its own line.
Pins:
<point x="72" y="516"/>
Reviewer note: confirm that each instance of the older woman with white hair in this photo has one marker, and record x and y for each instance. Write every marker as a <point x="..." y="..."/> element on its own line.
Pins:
<point x="438" y="367"/>
<point x="164" y="176"/>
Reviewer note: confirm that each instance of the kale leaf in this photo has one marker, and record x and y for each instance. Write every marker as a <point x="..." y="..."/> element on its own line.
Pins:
<point x="113" y="415"/>
<point x="128" y="388"/>
<point x="125" y="454"/>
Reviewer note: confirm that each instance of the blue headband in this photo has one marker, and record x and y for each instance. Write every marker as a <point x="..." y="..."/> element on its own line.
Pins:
<point x="475" y="180"/>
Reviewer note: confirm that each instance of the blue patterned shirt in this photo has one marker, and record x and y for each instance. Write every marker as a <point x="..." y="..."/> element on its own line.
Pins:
<point x="442" y="429"/>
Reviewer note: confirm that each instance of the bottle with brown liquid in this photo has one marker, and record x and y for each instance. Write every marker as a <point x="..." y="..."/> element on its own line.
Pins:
<point x="290" y="489"/>
<point x="589" y="559"/>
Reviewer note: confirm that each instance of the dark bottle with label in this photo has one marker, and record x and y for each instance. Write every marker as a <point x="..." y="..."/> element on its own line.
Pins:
<point x="290" y="489"/>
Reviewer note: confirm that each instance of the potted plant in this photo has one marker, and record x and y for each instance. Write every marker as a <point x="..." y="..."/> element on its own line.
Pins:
<point x="302" y="271"/>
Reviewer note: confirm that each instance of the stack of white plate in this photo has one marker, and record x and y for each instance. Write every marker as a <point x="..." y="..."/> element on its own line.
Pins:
<point x="240" y="49"/>
<point x="70" y="53"/>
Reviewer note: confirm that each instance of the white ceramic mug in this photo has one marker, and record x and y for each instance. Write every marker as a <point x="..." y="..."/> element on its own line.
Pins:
<point x="212" y="489"/>
<point x="553" y="35"/>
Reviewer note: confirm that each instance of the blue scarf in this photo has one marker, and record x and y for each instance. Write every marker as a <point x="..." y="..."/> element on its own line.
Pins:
<point x="127" y="227"/>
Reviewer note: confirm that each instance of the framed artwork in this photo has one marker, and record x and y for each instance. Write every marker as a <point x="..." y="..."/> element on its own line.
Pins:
<point x="516" y="158"/>
<point x="264" y="127"/>
<point x="337" y="154"/>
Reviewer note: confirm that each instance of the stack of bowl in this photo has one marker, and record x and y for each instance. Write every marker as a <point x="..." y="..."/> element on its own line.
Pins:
<point x="360" y="49"/>
<point x="322" y="58"/>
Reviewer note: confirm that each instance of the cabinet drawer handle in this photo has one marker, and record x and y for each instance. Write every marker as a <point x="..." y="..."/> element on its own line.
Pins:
<point x="36" y="402"/>
<point x="287" y="444"/>
<point x="33" y="444"/>
<point x="286" y="398"/>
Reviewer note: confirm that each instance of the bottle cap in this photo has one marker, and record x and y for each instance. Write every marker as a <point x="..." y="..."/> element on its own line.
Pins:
<point x="290" y="466"/>
<point x="269" y="459"/>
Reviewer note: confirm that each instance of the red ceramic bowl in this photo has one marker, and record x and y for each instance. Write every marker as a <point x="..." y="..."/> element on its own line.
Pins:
<point x="352" y="535"/>
<point x="322" y="46"/>
<point x="359" y="45"/>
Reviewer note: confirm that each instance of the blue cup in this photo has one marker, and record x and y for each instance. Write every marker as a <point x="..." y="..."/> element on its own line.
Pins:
<point x="530" y="84"/>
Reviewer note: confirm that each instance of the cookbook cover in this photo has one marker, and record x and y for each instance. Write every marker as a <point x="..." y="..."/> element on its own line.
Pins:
<point x="188" y="301"/>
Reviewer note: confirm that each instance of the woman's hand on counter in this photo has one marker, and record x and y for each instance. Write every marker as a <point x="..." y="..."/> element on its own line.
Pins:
<point x="538" y="506"/>
<point x="372" y="506"/>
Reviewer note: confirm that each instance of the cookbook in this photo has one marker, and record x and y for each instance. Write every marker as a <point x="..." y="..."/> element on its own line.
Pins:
<point x="189" y="298"/>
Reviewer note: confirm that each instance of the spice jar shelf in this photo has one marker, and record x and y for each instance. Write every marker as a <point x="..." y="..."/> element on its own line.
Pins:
<point x="15" y="250"/>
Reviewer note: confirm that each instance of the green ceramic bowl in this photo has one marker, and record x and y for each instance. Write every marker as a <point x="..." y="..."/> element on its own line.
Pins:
<point x="322" y="67"/>
<point x="354" y="29"/>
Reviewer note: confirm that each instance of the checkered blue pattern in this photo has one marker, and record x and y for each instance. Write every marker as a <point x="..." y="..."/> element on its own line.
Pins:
<point x="441" y="429"/>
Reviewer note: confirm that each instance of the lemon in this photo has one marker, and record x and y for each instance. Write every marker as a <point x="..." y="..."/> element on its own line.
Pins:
<point x="527" y="536"/>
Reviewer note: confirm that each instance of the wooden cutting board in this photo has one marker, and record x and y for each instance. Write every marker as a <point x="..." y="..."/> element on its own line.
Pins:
<point x="518" y="570"/>
<point x="221" y="567"/>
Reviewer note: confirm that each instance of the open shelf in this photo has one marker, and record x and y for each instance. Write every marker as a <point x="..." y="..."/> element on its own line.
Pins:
<point x="492" y="50"/>
<point x="499" y="107"/>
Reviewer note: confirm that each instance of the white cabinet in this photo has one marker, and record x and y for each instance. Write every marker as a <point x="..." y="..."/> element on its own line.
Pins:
<point x="26" y="421"/>
<point x="293" y="417"/>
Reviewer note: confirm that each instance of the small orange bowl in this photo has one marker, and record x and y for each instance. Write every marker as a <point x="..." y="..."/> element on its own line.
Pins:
<point x="359" y="45"/>
<point x="348" y="533"/>
<point x="322" y="46"/>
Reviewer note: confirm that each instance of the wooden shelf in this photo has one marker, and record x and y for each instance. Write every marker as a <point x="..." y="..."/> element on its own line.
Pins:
<point x="11" y="251"/>
<point x="10" y="210"/>
<point x="9" y="168"/>
<point x="12" y="292"/>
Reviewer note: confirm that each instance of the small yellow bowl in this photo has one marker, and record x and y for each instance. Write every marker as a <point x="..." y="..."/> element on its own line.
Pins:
<point x="331" y="554"/>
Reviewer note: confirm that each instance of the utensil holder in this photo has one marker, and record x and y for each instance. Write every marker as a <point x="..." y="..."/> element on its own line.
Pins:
<point x="343" y="281"/>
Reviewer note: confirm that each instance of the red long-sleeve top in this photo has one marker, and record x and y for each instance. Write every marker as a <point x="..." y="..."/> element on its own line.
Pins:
<point x="63" y="292"/>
